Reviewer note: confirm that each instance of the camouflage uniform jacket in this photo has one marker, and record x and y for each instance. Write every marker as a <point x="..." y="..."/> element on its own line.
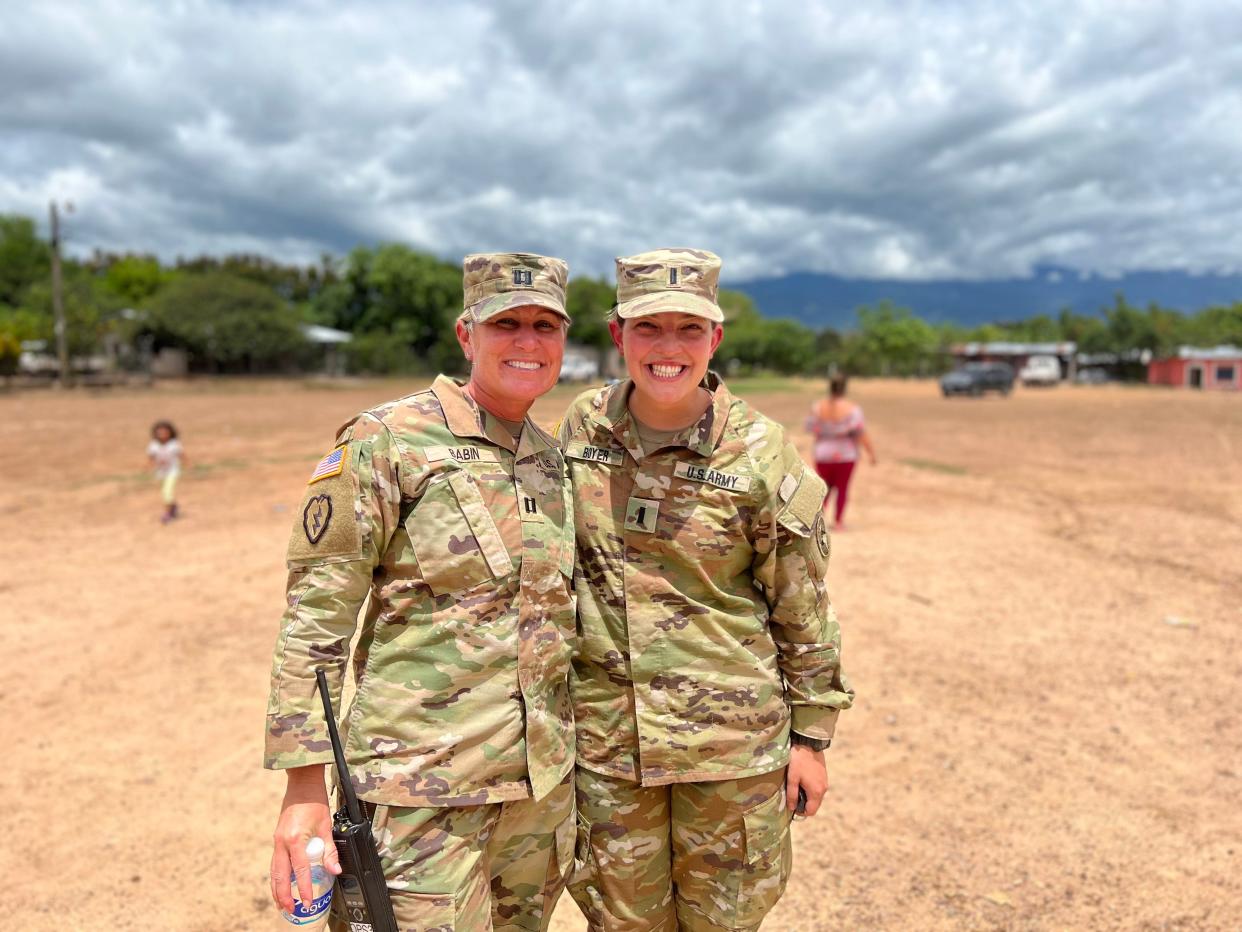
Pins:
<point x="704" y="623"/>
<point x="465" y="548"/>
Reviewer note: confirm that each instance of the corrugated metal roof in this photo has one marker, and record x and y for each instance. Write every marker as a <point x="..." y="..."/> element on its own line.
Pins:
<point x="1002" y="348"/>
<point x="1215" y="352"/>
<point x="319" y="334"/>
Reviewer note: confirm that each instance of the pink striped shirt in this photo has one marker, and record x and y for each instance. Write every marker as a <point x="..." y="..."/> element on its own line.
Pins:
<point x="836" y="441"/>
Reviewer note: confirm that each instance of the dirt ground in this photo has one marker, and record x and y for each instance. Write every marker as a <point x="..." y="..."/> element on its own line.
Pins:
<point x="1041" y="599"/>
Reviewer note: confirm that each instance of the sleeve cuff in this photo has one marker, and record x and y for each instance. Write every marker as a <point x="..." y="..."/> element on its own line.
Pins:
<point x="814" y="721"/>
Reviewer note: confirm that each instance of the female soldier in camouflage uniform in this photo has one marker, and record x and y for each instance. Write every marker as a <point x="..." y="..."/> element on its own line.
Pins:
<point x="448" y="509"/>
<point x="705" y="629"/>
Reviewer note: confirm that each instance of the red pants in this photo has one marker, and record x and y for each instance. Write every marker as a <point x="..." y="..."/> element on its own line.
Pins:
<point x="837" y="475"/>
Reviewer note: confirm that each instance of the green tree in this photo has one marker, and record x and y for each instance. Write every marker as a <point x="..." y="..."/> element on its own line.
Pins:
<point x="1128" y="327"/>
<point x="1038" y="329"/>
<point x="399" y="304"/>
<point x="1089" y="333"/>
<point x="1169" y="329"/>
<point x="24" y="258"/>
<point x="134" y="279"/>
<point x="892" y="341"/>
<point x="1215" y="326"/>
<point x="90" y="310"/>
<point x="754" y="342"/>
<point x="589" y="301"/>
<point x="225" y="322"/>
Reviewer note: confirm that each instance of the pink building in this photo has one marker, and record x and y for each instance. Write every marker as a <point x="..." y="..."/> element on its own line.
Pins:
<point x="1217" y="368"/>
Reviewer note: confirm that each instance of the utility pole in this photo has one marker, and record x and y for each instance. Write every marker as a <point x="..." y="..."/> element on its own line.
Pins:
<point x="58" y="303"/>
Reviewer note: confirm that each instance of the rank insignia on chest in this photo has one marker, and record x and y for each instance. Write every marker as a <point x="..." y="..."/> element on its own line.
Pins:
<point x="640" y="515"/>
<point x="722" y="480"/>
<point x="316" y="516"/>
<point x="578" y="450"/>
<point x="528" y="507"/>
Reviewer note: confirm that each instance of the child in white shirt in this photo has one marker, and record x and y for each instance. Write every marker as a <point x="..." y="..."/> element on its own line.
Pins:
<point x="164" y="452"/>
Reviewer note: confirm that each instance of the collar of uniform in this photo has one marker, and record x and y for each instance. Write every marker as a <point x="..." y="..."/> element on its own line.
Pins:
<point x="613" y="414"/>
<point x="465" y="418"/>
<point x="534" y="440"/>
<point x="462" y="413"/>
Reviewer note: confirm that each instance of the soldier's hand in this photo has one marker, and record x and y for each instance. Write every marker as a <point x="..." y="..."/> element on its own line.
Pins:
<point x="808" y="772"/>
<point x="304" y="813"/>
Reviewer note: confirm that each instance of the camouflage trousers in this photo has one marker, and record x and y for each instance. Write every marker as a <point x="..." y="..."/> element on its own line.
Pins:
<point x="499" y="866"/>
<point x="694" y="856"/>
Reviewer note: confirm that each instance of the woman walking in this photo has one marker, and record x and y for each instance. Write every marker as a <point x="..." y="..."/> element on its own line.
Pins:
<point x="839" y="430"/>
<point x="707" y="642"/>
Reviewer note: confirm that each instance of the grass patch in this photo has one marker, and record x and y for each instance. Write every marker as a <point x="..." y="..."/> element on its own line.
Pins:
<point x="753" y="384"/>
<point x="947" y="469"/>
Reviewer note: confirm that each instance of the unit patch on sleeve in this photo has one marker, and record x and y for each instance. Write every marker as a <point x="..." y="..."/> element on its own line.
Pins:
<point x="820" y="530"/>
<point x="582" y="451"/>
<point x="722" y="480"/>
<point x="326" y="527"/>
<point x="316" y="516"/>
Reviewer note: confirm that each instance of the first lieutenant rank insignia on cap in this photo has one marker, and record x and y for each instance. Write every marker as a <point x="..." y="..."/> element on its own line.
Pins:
<point x="330" y="465"/>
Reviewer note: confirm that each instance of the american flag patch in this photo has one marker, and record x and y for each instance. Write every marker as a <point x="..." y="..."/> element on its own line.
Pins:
<point x="330" y="465"/>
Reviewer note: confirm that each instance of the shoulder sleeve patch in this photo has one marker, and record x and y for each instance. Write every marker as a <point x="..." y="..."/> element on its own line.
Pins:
<point x="326" y="524"/>
<point x="331" y="465"/>
<point x="806" y="504"/>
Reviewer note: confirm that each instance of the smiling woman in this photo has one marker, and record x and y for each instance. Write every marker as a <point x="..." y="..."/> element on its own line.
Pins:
<point x="707" y="680"/>
<point x="514" y="357"/>
<point x="446" y="512"/>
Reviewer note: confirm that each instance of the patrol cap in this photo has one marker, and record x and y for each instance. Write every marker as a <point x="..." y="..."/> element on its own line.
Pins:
<point x="662" y="280"/>
<point x="501" y="281"/>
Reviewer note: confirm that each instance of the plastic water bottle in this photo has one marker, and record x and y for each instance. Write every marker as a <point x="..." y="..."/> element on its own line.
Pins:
<point x="312" y="915"/>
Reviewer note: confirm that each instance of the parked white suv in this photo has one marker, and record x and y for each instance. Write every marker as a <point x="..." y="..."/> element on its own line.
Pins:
<point x="1041" y="370"/>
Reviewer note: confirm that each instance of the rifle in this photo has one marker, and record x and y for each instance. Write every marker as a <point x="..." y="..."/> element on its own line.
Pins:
<point x="361" y="885"/>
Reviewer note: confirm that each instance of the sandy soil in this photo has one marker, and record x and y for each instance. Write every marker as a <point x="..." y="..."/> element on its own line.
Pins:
<point x="1041" y="598"/>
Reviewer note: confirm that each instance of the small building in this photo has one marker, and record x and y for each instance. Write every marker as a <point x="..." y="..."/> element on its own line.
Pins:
<point x="1127" y="366"/>
<point x="1017" y="354"/>
<point x="580" y="363"/>
<point x="1218" y="368"/>
<point x="331" y="340"/>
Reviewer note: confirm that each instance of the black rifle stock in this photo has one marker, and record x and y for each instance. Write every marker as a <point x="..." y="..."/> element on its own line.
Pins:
<point x="360" y="885"/>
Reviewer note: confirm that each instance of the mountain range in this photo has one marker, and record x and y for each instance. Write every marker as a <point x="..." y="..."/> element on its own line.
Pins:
<point x="829" y="301"/>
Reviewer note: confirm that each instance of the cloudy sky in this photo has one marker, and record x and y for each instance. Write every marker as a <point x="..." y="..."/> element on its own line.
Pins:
<point x="894" y="140"/>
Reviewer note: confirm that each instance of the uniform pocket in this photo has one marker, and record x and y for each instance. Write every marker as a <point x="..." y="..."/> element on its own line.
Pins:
<point x="454" y="537"/>
<point x="768" y="859"/>
<point x="424" y="912"/>
<point x="583" y="884"/>
<point x="566" y="847"/>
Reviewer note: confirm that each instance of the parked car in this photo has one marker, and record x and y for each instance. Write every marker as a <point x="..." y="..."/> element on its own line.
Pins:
<point x="1041" y="370"/>
<point x="975" y="378"/>
<point x="579" y="369"/>
<point x="1092" y="376"/>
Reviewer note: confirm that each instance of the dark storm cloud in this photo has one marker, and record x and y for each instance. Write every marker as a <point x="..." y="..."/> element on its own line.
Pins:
<point x="881" y="140"/>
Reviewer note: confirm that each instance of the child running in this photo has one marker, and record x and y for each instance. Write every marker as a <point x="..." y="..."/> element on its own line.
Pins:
<point x="165" y="454"/>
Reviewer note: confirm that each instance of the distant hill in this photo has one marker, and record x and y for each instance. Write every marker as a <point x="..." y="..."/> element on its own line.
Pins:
<point x="825" y="300"/>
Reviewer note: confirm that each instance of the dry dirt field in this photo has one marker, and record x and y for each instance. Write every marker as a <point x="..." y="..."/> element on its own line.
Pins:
<point x="1041" y="598"/>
